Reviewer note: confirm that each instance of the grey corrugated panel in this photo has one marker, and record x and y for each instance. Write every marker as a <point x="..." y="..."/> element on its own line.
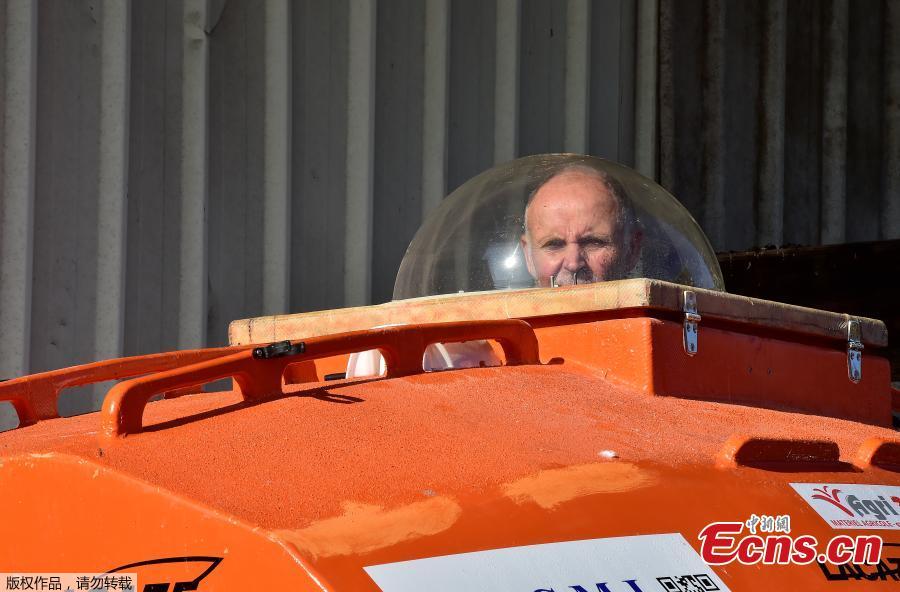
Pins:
<point x="713" y="126"/>
<point x="277" y="157"/>
<point x="612" y="66"/>
<point x="803" y="123"/>
<point x="666" y="96"/>
<point x="276" y="114"/>
<point x="399" y="80"/>
<point x="4" y="74"/>
<point x="508" y="18"/>
<point x="682" y="33"/>
<point x="64" y="298"/>
<point x="112" y="185"/>
<point x="770" y="206"/>
<point x="359" y="161"/>
<point x="236" y="203"/>
<point x="542" y="77"/>
<point x="834" y="124"/>
<point x="18" y="105"/>
<point x="865" y="108"/>
<point x="471" y="116"/>
<point x="890" y="209"/>
<point x="741" y="93"/>
<point x="319" y="132"/>
<point x="576" y="124"/>
<point x="154" y="171"/>
<point x="822" y="92"/>
<point x="115" y="66"/>
<point x="434" y="118"/>
<point x="65" y="214"/>
<point x="482" y="91"/>
<point x="646" y="88"/>
<point x="194" y="188"/>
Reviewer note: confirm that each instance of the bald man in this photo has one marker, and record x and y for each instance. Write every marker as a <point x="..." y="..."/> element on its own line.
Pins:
<point x="579" y="229"/>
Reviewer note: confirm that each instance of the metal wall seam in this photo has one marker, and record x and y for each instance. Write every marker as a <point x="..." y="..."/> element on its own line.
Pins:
<point x="17" y="199"/>
<point x="276" y="271"/>
<point x="890" y="207"/>
<point x="834" y="125"/>
<point x="578" y="67"/>
<point x="666" y="95"/>
<point x="647" y="66"/>
<point x="360" y="153"/>
<point x="770" y="207"/>
<point x="714" y="123"/>
<point x="434" y="126"/>
<point x="112" y="183"/>
<point x="193" y="262"/>
<point x="506" y="83"/>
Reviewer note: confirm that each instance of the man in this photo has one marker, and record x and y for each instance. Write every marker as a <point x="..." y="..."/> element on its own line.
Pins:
<point x="579" y="228"/>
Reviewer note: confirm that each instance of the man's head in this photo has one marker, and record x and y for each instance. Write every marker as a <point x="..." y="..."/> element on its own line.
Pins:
<point x="579" y="228"/>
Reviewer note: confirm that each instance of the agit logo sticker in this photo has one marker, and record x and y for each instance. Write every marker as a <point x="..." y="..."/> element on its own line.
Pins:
<point x="831" y="496"/>
<point x="171" y="574"/>
<point x="852" y="505"/>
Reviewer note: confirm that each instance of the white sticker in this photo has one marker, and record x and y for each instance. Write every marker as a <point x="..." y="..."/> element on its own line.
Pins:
<point x="844" y="505"/>
<point x="647" y="563"/>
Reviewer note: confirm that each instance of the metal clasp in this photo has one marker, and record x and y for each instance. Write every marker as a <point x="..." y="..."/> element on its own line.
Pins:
<point x="278" y="350"/>
<point x="854" y="351"/>
<point x="691" y="319"/>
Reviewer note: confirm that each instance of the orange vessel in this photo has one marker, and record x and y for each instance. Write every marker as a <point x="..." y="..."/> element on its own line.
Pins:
<point x="625" y="418"/>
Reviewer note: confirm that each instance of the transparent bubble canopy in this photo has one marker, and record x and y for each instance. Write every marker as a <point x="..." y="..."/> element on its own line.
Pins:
<point x="552" y="220"/>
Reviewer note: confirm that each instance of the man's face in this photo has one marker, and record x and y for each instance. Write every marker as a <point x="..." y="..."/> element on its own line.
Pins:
<point x="573" y="232"/>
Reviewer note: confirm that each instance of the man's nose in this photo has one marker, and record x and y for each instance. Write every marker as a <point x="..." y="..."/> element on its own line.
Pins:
<point x="573" y="259"/>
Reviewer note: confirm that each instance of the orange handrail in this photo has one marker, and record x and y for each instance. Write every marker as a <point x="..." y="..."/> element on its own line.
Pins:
<point x="403" y="348"/>
<point x="34" y="397"/>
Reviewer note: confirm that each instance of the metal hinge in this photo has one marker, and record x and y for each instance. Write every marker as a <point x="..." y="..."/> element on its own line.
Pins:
<point x="691" y="319"/>
<point x="854" y="351"/>
<point x="278" y="350"/>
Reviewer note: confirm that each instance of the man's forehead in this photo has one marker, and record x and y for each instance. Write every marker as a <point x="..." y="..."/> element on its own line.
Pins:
<point x="572" y="196"/>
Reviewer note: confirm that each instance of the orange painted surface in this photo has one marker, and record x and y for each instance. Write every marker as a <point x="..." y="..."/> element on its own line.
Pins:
<point x="317" y="480"/>
<point x="87" y="518"/>
<point x="646" y="354"/>
<point x="402" y="347"/>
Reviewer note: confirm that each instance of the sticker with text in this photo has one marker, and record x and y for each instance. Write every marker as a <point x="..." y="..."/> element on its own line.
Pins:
<point x="646" y="563"/>
<point x="843" y="506"/>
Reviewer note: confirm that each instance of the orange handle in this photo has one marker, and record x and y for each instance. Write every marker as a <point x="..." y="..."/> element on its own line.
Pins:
<point x="34" y="397"/>
<point x="403" y="348"/>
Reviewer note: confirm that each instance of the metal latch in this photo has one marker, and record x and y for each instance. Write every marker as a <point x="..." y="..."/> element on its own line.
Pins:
<point x="279" y="350"/>
<point x="854" y="351"/>
<point x="691" y="319"/>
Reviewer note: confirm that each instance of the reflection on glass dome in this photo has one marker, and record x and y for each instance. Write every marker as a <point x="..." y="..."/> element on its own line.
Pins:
<point x="553" y="220"/>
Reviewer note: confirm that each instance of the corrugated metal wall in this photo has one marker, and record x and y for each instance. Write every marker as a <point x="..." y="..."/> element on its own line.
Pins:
<point x="780" y="120"/>
<point x="170" y="165"/>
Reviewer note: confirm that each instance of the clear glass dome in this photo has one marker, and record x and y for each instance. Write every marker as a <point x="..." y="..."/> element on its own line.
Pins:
<point x="555" y="219"/>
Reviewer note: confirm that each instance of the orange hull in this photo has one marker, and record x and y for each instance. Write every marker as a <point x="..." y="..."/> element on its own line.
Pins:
<point x="597" y="426"/>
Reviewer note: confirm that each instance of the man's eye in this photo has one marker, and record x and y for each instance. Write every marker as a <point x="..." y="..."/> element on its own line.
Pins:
<point x="593" y="241"/>
<point x="553" y="245"/>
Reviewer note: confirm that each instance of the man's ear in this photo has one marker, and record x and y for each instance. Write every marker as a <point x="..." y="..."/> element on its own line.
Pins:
<point x="634" y="247"/>
<point x="526" y="250"/>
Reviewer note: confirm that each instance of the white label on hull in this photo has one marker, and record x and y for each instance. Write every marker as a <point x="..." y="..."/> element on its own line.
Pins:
<point x="646" y="563"/>
<point x="847" y="505"/>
